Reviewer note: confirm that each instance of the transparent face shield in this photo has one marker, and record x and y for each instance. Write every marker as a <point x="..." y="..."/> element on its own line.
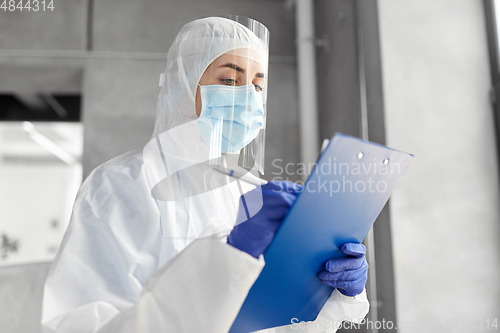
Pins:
<point x="212" y="108"/>
<point x="231" y="98"/>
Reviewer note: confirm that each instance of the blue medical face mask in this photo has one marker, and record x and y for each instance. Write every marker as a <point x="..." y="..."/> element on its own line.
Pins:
<point x="231" y="117"/>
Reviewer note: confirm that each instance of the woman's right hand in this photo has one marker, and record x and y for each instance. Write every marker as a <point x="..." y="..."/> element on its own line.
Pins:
<point x="255" y="234"/>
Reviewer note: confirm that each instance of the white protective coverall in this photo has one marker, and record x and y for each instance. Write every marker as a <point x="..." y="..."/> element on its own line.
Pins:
<point x="130" y="262"/>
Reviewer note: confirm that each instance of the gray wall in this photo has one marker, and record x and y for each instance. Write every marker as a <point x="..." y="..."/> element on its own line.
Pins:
<point x="444" y="213"/>
<point x="118" y="77"/>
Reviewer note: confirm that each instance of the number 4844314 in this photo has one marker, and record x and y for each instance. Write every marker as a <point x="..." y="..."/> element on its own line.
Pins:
<point x="28" y="5"/>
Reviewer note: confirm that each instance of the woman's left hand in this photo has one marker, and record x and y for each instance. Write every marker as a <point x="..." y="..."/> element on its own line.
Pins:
<point x="348" y="275"/>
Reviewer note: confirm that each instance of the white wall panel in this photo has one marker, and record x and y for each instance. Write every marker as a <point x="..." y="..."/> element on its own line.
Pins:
<point x="444" y="214"/>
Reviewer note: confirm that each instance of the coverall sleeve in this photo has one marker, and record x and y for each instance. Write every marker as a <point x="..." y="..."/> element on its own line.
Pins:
<point x="338" y="308"/>
<point x="106" y="278"/>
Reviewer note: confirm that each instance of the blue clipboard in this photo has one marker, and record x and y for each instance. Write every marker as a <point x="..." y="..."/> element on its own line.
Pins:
<point x="341" y="199"/>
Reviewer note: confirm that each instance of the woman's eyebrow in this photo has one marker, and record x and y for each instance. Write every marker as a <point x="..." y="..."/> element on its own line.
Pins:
<point x="241" y="70"/>
<point x="233" y="66"/>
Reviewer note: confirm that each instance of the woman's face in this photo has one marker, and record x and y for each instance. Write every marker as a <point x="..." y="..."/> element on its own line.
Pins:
<point x="232" y="70"/>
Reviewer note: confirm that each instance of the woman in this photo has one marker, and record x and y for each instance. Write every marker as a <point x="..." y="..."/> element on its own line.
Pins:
<point x="146" y="248"/>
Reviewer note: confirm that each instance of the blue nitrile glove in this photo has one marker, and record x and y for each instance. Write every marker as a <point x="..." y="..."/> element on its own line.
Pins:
<point x="255" y="234"/>
<point x="348" y="275"/>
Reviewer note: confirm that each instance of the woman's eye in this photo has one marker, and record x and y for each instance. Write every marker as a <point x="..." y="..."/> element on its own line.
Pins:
<point x="258" y="88"/>
<point x="230" y="82"/>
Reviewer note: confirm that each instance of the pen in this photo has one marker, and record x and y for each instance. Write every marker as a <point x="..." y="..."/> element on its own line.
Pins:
<point x="241" y="175"/>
